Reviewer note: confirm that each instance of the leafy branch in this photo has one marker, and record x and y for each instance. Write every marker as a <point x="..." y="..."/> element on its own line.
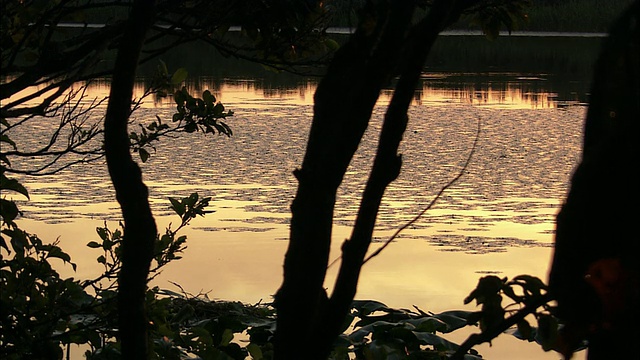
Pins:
<point x="530" y="296"/>
<point x="193" y="114"/>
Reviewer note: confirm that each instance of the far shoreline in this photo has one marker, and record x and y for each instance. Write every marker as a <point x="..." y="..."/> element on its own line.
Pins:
<point x="336" y="30"/>
<point x="347" y="31"/>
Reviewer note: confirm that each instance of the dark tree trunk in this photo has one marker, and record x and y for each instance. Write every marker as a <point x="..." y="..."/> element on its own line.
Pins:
<point x="139" y="225"/>
<point x="595" y="269"/>
<point x="344" y="101"/>
<point x="387" y="163"/>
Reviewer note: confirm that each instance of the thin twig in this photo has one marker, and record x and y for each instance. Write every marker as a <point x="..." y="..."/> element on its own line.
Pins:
<point x="415" y="218"/>
<point x="442" y="190"/>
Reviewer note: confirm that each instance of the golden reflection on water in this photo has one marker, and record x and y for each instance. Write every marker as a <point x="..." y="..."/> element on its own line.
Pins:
<point x="510" y="95"/>
<point x="235" y="254"/>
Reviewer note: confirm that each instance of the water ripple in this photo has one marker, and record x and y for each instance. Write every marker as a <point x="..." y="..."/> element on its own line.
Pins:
<point x="519" y="172"/>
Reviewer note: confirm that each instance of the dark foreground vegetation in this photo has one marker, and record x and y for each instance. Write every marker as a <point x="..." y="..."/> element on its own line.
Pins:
<point x="593" y="292"/>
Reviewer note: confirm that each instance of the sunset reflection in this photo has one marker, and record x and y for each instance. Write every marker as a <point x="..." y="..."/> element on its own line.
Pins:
<point x="499" y="219"/>
<point x="512" y="95"/>
<point x="514" y="92"/>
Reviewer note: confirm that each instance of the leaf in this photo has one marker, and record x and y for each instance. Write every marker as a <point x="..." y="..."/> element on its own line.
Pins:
<point x="8" y="210"/>
<point x="12" y="184"/>
<point x="94" y="245"/>
<point x="162" y="69"/>
<point x="525" y="330"/>
<point x="184" y="314"/>
<point x="455" y="319"/>
<point x="531" y="284"/>
<point x="229" y="132"/>
<point x="177" y="116"/>
<point x="144" y="155"/>
<point x="547" y="335"/>
<point x="18" y="240"/>
<point x="375" y="327"/>
<point x="428" y="324"/>
<point x="227" y="336"/>
<point x="190" y="127"/>
<point x="56" y="252"/>
<point x="179" y="76"/>
<point x="170" y="293"/>
<point x="488" y="287"/>
<point x="191" y="200"/>
<point x="255" y="351"/>
<point x="346" y="323"/>
<point x="435" y="340"/>
<point x="103" y="232"/>
<point x="218" y="109"/>
<point x="204" y="337"/>
<point x="179" y="97"/>
<point x="332" y="44"/>
<point x="177" y="206"/>
<point x="208" y="97"/>
<point x="366" y="307"/>
<point x="380" y="350"/>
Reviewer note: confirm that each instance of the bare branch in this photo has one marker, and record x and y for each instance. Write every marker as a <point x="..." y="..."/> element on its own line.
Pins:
<point x="432" y="203"/>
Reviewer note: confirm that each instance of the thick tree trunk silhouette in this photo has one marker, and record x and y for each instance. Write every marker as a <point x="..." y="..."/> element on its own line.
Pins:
<point x="595" y="269"/>
<point x="139" y="225"/>
<point x="383" y="46"/>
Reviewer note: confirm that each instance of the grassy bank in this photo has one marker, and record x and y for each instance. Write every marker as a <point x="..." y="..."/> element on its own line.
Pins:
<point x="543" y="15"/>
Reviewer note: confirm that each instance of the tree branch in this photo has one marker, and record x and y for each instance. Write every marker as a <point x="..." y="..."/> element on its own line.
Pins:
<point x="435" y="199"/>
<point x="495" y="331"/>
<point x="387" y="163"/>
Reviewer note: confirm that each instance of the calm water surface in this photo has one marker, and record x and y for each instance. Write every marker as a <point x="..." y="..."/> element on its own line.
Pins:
<point x="498" y="219"/>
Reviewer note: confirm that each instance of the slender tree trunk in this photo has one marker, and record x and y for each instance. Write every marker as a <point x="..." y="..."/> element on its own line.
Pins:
<point x="387" y="163"/>
<point x="139" y="225"/>
<point x="595" y="270"/>
<point x="344" y="102"/>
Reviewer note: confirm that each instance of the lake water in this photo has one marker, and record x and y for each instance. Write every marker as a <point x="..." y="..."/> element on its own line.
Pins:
<point x="498" y="219"/>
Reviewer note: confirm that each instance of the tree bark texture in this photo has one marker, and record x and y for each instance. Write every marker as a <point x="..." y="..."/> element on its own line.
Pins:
<point x="595" y="268"/>
<point x="343" y="101"/>
<point x="139" y="225"/>
<point x="387" y="163"/>
<point x="383" y="45"/>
